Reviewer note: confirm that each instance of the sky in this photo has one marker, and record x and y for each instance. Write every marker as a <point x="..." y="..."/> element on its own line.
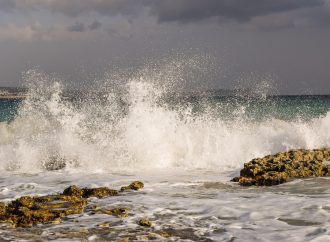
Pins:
<point x="283" y="43"/>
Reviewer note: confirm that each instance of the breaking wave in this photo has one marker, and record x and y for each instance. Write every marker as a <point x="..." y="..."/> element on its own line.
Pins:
<point x="135" y="125"/>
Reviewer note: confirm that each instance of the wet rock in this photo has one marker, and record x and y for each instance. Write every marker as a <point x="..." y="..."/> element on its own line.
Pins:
<point x="73" y="191"/>
<point x="119" y="212"/>
<point x="27" y="211"/>
<point x="162" y="234"/>
<point x="3" y="210"/>
<point x="25" y="201"/>
<point x="136" y="185"/>
<point x="98" y="192"/>
<point x="285" y="166"/>
<point x="145" y="222"/>
<point x="104" y="225"/>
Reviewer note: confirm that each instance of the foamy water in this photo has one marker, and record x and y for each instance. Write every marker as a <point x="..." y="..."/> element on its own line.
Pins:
<point x="145" y="133"/>
<point x="186" y="158"/>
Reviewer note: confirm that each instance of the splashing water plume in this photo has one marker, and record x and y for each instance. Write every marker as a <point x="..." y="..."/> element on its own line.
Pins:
<point x="134" y="127"/>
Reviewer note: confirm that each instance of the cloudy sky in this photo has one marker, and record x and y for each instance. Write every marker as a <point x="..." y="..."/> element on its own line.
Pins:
<point x="285" y="42"/>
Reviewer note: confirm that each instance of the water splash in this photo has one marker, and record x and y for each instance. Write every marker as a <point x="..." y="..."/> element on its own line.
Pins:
<point x="132" y="126"/>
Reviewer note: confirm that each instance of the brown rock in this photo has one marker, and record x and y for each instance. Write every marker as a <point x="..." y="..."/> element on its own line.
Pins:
<point x="119" y="212"/>
<point x="73" y="191"/>
<point x="136" y="185"/>
<point x="99" y="192"/>
<point x="145" y="222"/>
<point x="283" y="167"/>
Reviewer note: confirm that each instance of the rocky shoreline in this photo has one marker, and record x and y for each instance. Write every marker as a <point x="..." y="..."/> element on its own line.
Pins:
<point x="27" y="211"/>
<point x="32" y="211"/>
<point x="285" y="166"/>
<point x="34" y="214"/>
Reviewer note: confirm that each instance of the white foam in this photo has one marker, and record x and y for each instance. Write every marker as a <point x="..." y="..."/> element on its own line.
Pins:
<point x="147" y="134"/>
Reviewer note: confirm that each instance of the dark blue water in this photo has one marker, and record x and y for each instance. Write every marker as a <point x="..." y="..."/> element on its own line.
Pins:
<point x="8" y="109"/>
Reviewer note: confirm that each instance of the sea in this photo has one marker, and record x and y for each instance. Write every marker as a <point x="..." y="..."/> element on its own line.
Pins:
<point x="184" y="146"/>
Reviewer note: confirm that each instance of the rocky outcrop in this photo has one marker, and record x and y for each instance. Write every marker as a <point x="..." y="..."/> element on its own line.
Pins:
<point x="27" y="211"/>
<point x="136" y="185"/>
<point x="285" y="166"/>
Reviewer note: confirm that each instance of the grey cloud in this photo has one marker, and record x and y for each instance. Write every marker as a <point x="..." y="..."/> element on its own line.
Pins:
<point x="74" y="8"/>
<point x="240" y="10"/>
<point x="182" y="11"/>
<point x="77" y="27"/>
<point x="80" y="27"/>
<point x="7" y="5"/>
<point x="95" y="25"/>
<point x="170" y="10"/>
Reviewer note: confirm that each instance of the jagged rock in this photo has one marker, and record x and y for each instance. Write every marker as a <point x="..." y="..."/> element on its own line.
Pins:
<point x="136" y="185"/>
<point x="99" y="192"/>
<point x="73" y="191"/>
<point x="285" y="166"/>
<point x="145" y="222"/>
<point x="28" y="211"/>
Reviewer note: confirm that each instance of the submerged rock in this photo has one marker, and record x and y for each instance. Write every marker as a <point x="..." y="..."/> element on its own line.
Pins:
<point x="145" y="222"/>
<point x="285" y="166"/>
<point x="119" y="212"/>
<point x="136" y="185"/>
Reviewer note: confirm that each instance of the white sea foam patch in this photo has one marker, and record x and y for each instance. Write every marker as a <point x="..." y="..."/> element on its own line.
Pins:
<point x="134" y="130"/>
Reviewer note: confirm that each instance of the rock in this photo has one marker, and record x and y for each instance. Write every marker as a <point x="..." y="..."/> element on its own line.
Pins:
<point x="104" y="225"/>
<point x="162" y="233"/>
<point x="3" y="210"/>
<point x="73" y="191"/>
<point x="27" y="211"/>
<point x="119" y="212"/>
<point x="285" y="166"/>
<point x="98" y="192"/>
<point x="136" y="185"/>
<point x="145" y="222"/>
<point x="25" y="201"/>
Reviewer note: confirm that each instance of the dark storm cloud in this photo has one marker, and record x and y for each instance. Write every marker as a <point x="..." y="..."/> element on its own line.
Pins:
<point x="77" y="27"/>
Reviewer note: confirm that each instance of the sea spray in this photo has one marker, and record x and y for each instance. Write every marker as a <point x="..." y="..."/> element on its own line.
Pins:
<point x="141" y="126"/>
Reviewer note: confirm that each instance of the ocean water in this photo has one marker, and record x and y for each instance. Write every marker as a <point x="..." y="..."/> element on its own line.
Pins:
<point x="185" y="147"/>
